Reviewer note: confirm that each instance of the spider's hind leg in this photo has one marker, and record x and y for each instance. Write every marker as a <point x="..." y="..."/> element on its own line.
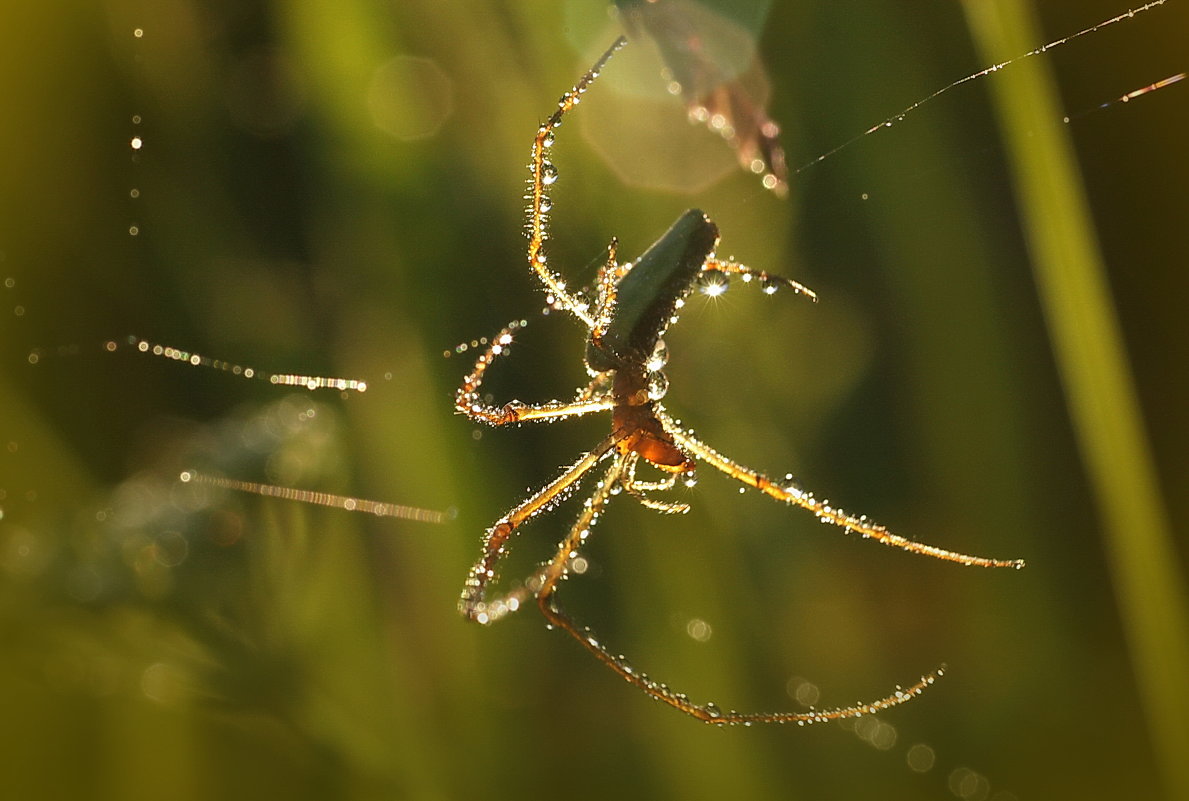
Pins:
<point x="474" y="603"/>
<point x="790" y="493"/>
<point x="547" y="579"/>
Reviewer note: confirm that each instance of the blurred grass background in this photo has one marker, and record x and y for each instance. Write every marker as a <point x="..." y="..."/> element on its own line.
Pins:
<point x="335" y="188"/>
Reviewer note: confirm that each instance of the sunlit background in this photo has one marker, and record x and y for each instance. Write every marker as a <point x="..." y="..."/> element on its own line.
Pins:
<point x="335" y="188"/>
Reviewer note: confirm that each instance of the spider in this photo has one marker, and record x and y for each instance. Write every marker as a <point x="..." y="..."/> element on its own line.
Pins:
<point x="635" y="303"/>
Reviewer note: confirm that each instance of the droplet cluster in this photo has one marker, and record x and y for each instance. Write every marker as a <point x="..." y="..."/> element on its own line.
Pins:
<point x="310" y="382"/>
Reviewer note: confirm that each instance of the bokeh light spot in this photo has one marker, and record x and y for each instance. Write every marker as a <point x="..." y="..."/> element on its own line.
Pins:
<point x="920" y="758"/>
<point x="410" y="98"/>
<point x="699" y="629"/>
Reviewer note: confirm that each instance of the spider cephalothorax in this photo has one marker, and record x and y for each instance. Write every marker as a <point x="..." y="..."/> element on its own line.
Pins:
<point x="634" y="305"/>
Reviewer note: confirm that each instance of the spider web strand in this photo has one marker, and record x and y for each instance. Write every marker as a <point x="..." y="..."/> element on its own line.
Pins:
<point x="344" y="502"/>
<point x="895" y="118"/>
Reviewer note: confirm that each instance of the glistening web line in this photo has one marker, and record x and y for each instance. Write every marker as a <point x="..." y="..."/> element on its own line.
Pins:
<point x="895" y="118"/>
<point x="1127" y="98"/>
<point x="345" y="502"/>
<point x="282" y="379"/>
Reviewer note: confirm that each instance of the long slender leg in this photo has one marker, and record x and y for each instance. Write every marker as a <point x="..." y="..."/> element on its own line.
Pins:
<point x="790" y="493"/>
<point x="474" y="604"/>
<point x="607" y="288"/>
<point x="468" y="402"/>
<point x="543" y="173"/>
<point x="638" y="489"/>
<point x="549" y="576"/>
<point x="769" y="282"/>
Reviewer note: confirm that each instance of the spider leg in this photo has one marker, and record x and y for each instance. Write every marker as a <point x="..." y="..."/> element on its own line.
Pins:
<point x="474" y="604"/>
<point x="549" y="576"/>
<point x="769" y="282"/>
<point x="467" y="400"/>
<point x="664" y="507"/>
<point x="542" y="174"/>
<point x="608" y="283"/>
<point x="599" y="387"/>
<point x="667" y="482"/>
<point x="637" y="489"/>
<point x="790" y="493"/>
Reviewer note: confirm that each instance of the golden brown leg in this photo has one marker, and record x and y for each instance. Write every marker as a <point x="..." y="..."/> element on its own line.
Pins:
<point x="608" y="285"/>
<point x="553" y="572"/>
<point x="474" y="604"/>
<point x="544" y="174"/>
<point x="792" y="494"/>
<point x="638" y="489"/>
<point x="768" y="282"/>
<point x="467" y="400"/>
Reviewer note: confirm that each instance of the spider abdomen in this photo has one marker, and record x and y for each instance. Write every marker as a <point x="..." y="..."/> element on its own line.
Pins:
<point x="646" y="297"/>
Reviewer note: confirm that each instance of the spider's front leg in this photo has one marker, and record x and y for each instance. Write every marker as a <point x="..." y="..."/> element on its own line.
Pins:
<point x="543" y="174"/>
<point x="468" y="401"/>
<point x="546" y="581"/>
<point x="769" y="282"/>
<point x="790" y="493"/>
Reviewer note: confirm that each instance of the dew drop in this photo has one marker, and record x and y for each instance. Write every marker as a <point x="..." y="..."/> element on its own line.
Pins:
<point x="548" y="173"/>
<point x="658" y="385"/>
<point x="713" y="284"/>
<point x="659" y="357"/>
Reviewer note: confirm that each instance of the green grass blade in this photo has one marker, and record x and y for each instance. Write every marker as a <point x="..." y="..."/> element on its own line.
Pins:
<point x="1090" y="354"/>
